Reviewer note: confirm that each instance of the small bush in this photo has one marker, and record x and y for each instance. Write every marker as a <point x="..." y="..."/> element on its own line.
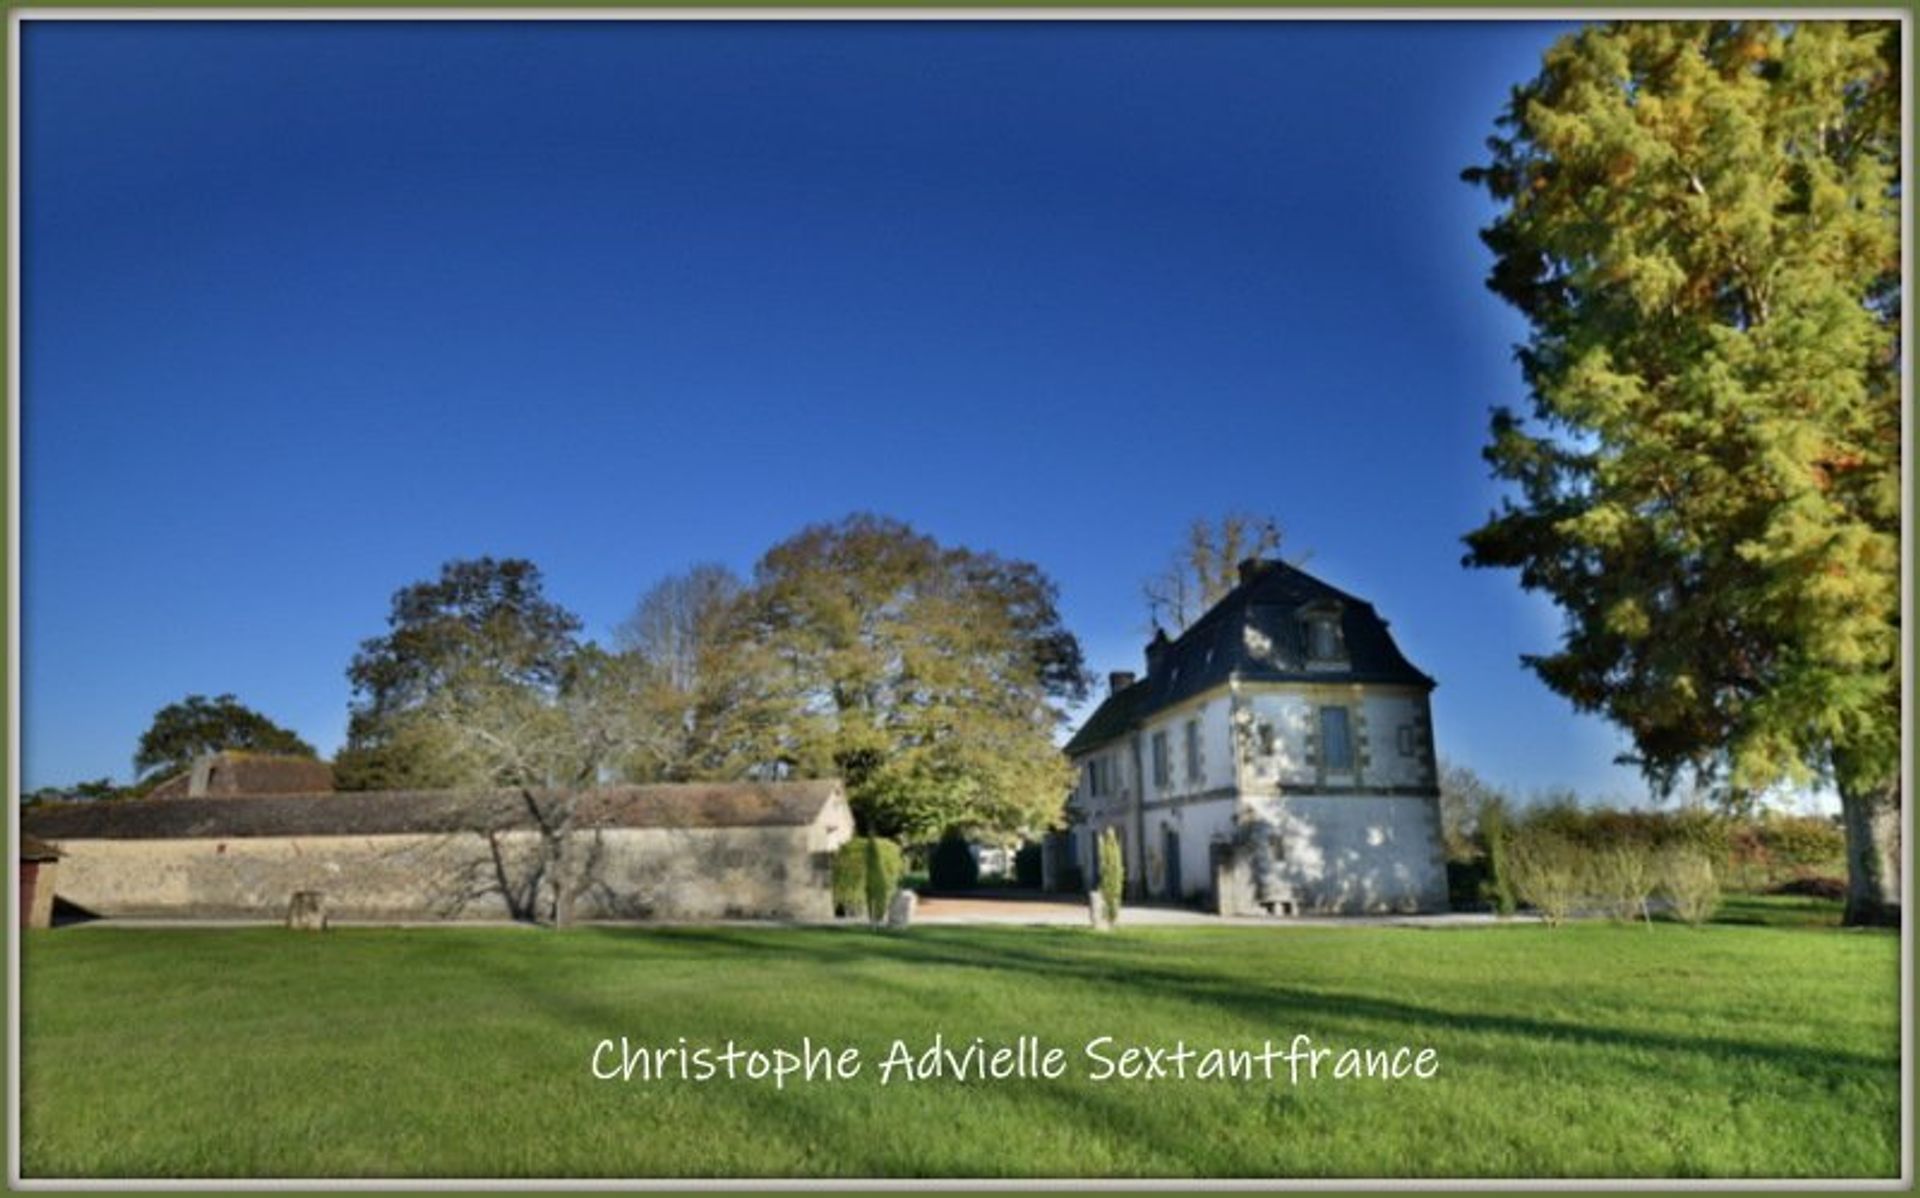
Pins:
<point x="952" y="865"/>
<point x="1622" y="877"/>
<point x="1027" y="867"/>
<point x="850" y="873"/>
<point x="1688" y="880"/>
<point x="1546" y="871"/>
<point x="1113" y="874"/>
<point x="1498" y="835"/>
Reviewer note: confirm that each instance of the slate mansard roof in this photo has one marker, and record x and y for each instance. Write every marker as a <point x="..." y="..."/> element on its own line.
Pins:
<point x="1256" y="633"/>
<point x="375" y="813"/>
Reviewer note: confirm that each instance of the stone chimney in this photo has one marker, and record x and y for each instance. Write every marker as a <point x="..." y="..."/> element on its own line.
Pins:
<point x="1253" y="567"/>
<point x="1119" y="680"/>
<point x="1157" y="651"/>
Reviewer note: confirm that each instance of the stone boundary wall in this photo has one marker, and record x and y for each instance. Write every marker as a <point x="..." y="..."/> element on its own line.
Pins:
<point x="627" y="873"/>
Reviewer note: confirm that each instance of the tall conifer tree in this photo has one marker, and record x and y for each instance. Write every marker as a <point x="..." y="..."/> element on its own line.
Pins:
<point x="1701" y="222"/>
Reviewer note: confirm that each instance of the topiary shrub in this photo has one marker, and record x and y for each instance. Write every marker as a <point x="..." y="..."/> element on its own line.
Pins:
<point x="850" y="873"/>
<point x="1113" y="874"/>
<point x="952" y="865"/>
<point x="880" y="882"/>
<point x="1027" y="869"/>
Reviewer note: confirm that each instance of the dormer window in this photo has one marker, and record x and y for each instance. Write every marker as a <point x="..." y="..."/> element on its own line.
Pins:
<point x="1321" y="632"/>
<point x="1323" y="638"/>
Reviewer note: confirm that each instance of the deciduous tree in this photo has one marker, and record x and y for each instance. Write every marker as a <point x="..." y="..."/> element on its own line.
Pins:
<point x="481" y="619"/>
<point x="549" y="742"/>
<point x="927" y="677"/>
<point x="704" y="681"/>
<point x="1700" y="221"/>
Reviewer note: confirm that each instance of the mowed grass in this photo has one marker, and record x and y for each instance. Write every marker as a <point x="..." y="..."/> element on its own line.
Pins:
<point x="1593" y="1050"/>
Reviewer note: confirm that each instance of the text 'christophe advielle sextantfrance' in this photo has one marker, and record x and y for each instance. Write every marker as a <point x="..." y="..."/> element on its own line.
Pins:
<point x="1297" y="1061"/>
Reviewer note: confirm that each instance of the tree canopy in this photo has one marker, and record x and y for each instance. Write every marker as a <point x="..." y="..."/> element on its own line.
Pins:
<point x="926" y="676"/>
<point x="704" y="684"/>
<point x="197" y="725"/>
<point x="1700" y="222"/>
<point x="483" y="625"/>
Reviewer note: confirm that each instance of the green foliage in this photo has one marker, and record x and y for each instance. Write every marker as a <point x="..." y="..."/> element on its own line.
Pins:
<point x="1701" y="223"/>
<point x="408" y="753"/>
<point x="1495" y="836"/>
<point x="1803" y="843"/>
<point x="1463" y="794"/>
<point x="1746" y="853"/>
<point x="951" y="865"/>
<point x="197" y="725"/>
<point x="883" y="875"/>
<point x="927" y="677"/>
<point x="850" y="873"/>
<point x="482" y="637"/>
<point x="1113" y="874"/>
<point x="94" y="790"/>
<point x="709" y="690"/>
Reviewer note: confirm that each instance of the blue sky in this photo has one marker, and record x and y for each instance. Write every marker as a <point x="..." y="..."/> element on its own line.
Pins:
<point x="311" y="308"/>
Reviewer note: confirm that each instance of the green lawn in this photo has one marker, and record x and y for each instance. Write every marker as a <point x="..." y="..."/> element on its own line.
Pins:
<point x="1768" y="1048"/>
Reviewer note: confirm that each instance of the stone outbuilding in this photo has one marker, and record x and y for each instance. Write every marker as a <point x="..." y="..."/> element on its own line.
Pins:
<point x="682" y="852"/>
<point x="39" y="873"/>
<point x="234" y="773"/>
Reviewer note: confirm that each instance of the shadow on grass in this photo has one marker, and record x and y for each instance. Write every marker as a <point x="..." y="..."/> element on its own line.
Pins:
<point x="1786" y="911"/>
<point x="1256" y="1001"/>
<point x="1129" y="1138"/>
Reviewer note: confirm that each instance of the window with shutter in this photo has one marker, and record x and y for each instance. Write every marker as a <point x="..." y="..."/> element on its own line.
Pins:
<point x="1336" y="743"/>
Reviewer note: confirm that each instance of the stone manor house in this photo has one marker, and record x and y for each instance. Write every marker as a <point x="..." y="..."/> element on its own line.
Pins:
<point x="1277" y="758"/>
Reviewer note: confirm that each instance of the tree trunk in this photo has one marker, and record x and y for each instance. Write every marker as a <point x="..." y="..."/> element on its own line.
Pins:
<point x="1872" y="818"/>
<point x="562" y="882"/>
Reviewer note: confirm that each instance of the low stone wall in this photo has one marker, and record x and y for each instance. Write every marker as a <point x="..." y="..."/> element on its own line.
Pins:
<point x="624" y="873"/>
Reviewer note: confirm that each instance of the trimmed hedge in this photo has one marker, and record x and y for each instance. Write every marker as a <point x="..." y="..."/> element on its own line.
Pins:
<point x="850" y="873"/>
<point x="1754" y="855"/>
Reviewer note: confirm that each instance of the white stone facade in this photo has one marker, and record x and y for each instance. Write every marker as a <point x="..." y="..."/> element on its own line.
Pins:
<point x="1333" y="769"/>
